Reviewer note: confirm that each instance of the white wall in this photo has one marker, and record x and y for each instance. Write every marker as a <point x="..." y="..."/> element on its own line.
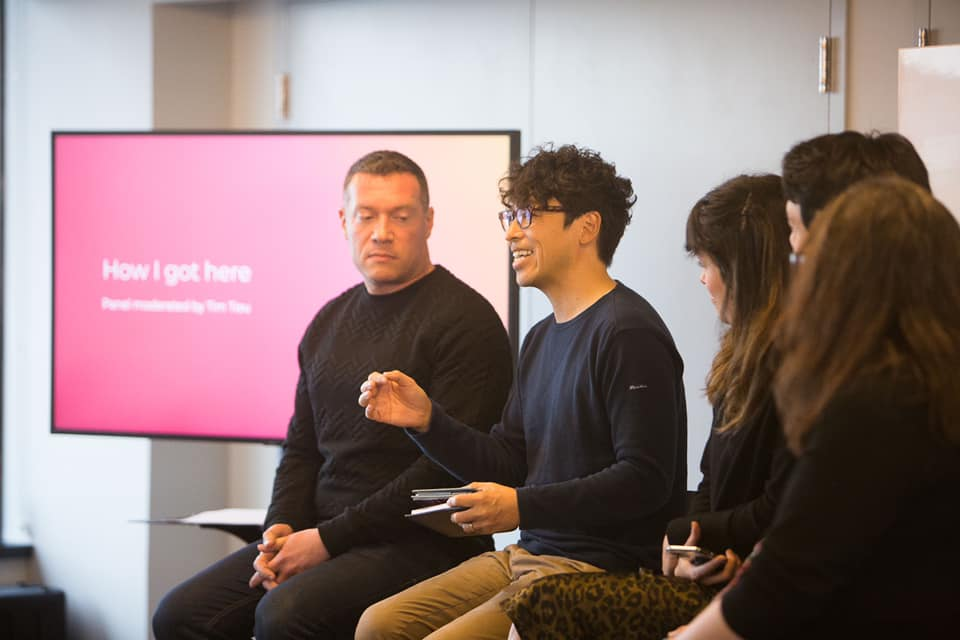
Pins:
<point x="876" y="30"/>
<point x="70" y="65"/>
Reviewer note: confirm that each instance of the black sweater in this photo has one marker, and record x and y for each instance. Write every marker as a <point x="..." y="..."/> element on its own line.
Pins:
<point x="352" y="477"/>
<point x="594" y="434"/>
<point x="862" y="545"/>
<point x="744" y="475"/>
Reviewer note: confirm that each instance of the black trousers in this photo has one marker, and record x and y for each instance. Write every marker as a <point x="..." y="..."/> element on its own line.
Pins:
<point x="323" y="602"/>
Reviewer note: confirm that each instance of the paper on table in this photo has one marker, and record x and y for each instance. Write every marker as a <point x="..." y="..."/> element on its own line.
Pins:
<point x="246" y="524"/>
<point x="217" y="517"/>
<point x="226" y="516"/>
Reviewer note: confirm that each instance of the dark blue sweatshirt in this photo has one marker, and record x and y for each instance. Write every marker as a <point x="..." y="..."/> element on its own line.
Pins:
<point x="593" y="435"/>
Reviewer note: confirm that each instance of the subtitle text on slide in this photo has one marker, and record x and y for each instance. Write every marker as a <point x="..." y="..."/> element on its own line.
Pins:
<point x="173" y="275"/>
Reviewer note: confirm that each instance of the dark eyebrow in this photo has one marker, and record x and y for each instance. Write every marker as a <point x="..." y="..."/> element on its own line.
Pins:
<point x="403" y="208"/>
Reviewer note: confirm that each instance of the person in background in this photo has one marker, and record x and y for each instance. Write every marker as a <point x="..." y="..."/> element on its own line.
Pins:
<point x="589" y="459"/>
<point x="738" y="234"/>
<point x="870" y="400"/>
<point x="817" y="170"/>
<point x="335" y="539"/>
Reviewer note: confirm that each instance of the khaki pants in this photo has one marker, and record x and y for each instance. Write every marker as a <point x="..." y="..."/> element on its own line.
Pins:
<point x="465" y="601"/>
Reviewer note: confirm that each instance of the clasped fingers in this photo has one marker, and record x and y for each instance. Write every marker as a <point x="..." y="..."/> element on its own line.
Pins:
<point x="262" y="571"/>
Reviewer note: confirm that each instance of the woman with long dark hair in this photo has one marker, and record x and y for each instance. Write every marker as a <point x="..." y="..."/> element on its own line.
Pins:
<point x="869" y="393"/>
<point x="739" y="235"/>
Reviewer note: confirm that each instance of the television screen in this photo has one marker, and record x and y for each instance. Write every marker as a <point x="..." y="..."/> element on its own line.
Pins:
<point x="187" y="266"/>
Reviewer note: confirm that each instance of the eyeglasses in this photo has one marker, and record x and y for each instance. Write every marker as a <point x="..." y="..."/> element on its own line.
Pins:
<point x="524" y="216"/>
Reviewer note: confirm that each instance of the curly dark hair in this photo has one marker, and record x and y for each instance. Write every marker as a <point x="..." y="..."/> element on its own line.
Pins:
<point x="817" y="170"/>
<point x="581" y="181"/>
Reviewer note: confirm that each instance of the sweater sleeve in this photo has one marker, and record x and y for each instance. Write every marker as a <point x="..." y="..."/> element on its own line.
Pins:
<point x="471" y="376"/>
<point x="637" y="374"/>
<point x="293" y="484"/>
<point x="498" y="456"/>
<point x="740" y="527"/>
<point x="678" y="529"/>
<point x="846" y="490"/>
<point x="701" y="500"/>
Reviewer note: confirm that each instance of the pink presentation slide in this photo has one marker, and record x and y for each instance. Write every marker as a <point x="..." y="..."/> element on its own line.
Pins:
<point x="187" y="266"/>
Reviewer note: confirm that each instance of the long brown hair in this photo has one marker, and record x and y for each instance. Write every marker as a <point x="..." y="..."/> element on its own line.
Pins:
<point x="742" y="226"/>
<point x="877" y="299"/>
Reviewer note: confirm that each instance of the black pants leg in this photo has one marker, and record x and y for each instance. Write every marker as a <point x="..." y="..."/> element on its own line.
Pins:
<point x="323" y="602"/>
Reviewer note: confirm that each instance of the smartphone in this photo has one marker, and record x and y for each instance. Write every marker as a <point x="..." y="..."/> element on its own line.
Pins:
<point x="696" y="555"/>
<point x="439" y="494"/>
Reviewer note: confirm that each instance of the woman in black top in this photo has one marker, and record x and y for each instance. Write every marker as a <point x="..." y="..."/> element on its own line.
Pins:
<point x="869" y="392"/>
<point x="740" y="238"/>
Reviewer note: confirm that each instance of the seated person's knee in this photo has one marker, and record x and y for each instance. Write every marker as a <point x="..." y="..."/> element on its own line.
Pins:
<point x="170" y="616"/>
<point x="274" y="616"/>
<point x="375" y="623"/>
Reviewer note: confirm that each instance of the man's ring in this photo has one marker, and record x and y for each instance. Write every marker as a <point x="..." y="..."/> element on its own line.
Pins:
<point x="468" y="526"/>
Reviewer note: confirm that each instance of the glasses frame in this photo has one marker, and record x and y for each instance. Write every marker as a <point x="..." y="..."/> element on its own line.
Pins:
<point x="525" y="215"/>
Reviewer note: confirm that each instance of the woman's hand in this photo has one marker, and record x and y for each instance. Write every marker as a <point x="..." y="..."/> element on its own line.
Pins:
<point x="718" y="570"/>
<point x="669" y="561"/>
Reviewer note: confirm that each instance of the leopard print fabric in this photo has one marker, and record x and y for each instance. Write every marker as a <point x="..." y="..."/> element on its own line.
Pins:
<point x="598" y="606"/>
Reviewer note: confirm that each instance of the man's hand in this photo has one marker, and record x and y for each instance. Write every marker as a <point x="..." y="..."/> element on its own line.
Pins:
<point x="668" y="561"/>
<point x="295" y="553"/>
<point x="395" y="398"/>
<point x="270" y="544"/>
<point x="491" y="509"/>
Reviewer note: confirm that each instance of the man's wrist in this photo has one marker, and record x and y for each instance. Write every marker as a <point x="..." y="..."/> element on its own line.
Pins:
<point x="425" y="427"/>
